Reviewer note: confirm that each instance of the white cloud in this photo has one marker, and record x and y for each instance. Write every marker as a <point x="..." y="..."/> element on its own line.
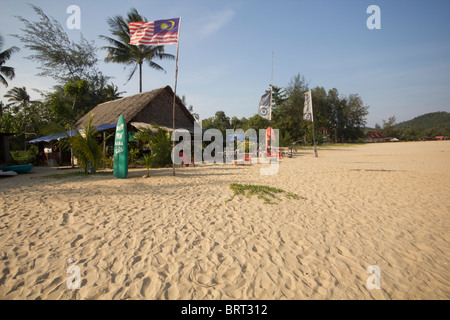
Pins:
<point x="214" y="22"/>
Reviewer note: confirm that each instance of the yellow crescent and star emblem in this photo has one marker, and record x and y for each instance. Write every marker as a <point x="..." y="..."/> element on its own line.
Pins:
<point x="166" y="26"/>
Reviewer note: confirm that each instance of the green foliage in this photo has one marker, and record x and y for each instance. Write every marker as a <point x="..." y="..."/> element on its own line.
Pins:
<point x="256" y="122"/>
<point x="86" y="149"/>
<point x="109" y="162"/>
<point x="388" y="129"/>
<point x="278" y="96"/>
<point x="111" y="92"/>
<point x="288" y="115"/>
<point x="285" y="139"/>
<point x="22" y="116"/>
<point x="25" y="157"/>
<point x="5" y="71"/>
<point x="133" y="156"/>
<point x="266" y="193"/>
<point x="161" y="148"/>
<point x="76" y="88"/>
<point x="147" y="160"/>
<point x="220" y="121"/>
<point x="160" y="145"/>
<point x="66" y="104"/>
<point x="61" y="109"/>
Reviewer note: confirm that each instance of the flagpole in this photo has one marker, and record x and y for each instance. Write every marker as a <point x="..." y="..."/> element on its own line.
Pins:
<point x="314" y="137"/>
<point x="270" y="109"/>
<point x="313" y="131"/>
<point x="175" y="92"/>
<point x="271" y="89"/>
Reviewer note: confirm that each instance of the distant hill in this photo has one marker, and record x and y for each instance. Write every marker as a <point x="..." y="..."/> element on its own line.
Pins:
<point x="425" y="126"/>
<point x="427" y="121"/>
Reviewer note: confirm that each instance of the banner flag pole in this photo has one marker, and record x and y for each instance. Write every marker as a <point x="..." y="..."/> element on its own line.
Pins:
<point x="270" y="109"/>
<point x="158" y="32"/>
<point x="175" y="92"/>
<point x="314" y="140"/>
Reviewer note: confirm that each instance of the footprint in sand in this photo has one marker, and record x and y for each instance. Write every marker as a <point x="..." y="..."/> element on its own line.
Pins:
<point x="74" y="243"/>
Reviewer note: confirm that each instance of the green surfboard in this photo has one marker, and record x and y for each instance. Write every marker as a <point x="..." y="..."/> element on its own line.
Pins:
<point x="121" y="150"/>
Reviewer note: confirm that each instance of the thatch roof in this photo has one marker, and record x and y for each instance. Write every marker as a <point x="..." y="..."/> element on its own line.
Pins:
<point x="148" y="107"/>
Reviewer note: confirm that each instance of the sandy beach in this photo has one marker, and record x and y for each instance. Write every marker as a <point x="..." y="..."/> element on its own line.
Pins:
<point x="169" y="237"/>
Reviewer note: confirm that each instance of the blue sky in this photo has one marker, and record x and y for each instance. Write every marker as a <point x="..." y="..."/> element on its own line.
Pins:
<point x="225" y="58"/>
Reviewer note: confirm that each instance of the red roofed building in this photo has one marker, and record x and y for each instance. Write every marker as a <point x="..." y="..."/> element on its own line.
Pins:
<point x="373" y="136"/>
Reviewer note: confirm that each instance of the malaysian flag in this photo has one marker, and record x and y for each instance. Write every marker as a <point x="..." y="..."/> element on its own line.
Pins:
<point x="155" y="32"/>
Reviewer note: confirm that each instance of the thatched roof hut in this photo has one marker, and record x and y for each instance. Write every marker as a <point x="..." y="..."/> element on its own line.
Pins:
<point x="148" y="107"/>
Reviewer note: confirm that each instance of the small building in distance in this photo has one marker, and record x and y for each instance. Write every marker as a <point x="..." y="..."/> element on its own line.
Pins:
<point x="374" y="137"/>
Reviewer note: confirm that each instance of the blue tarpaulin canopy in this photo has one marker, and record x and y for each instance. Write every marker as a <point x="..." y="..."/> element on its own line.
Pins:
<point x="59" y="136"/>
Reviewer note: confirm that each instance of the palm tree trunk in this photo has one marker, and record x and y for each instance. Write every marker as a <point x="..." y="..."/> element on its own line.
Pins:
<point x="72" y="160"/>
<point x="25" y="128"/>
<point x="140" y="77"/>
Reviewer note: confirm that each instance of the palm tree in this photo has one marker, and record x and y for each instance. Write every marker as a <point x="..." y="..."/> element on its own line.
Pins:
<point x="190" y="108"/>
<point x="5" y="71"/>
<point x="112" y="92"/>
<point x="86" y="149"/>
<point x="20" y="100"/>
<point x="18" y="96"/>
<point x="121" y="51"/>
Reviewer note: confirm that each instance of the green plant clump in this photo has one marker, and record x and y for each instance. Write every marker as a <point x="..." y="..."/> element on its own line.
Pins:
<point x="266" y="193"/>
<point x="25" y="157"/>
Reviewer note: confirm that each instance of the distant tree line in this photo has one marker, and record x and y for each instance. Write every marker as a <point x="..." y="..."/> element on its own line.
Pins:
<point x="337" y="118"/>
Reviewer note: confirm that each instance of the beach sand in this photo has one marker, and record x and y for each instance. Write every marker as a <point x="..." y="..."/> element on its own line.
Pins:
<point x="169" y="237"/>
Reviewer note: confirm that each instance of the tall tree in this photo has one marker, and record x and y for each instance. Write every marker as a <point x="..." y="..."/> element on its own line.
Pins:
<point x="388" y="127"/>
<point x="336" y="112"/>
<point x="59" y="57"/>
<point x="22" y="110"/>
<point x="121" y="51"/>
<point x="322" y="111"/>
<point x="6" y="72"/>
<point x="278" y="96"/>
<point x="76" y="89"/>
<point x="352" y="118"/>
<point x="288" y="116"/>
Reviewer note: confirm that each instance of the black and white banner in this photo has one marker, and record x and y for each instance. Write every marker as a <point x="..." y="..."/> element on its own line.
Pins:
<point x="307" y="110"/>
<point x="264" y="106"/>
